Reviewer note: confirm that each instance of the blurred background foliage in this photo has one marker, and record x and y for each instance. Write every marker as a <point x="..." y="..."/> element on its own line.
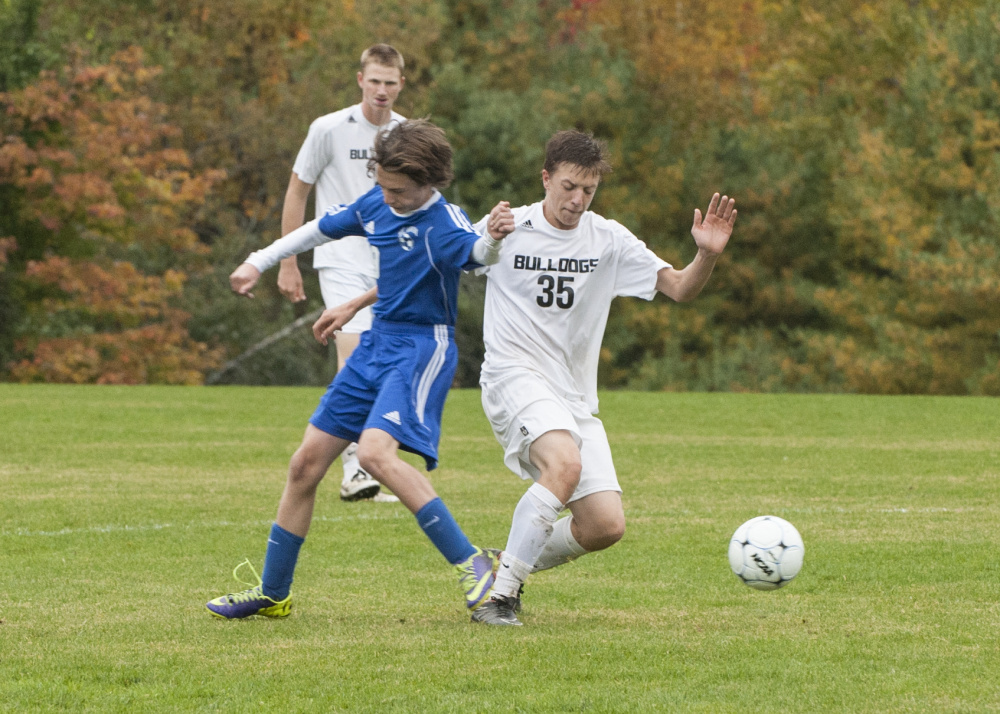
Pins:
<point x="145" y="148"/>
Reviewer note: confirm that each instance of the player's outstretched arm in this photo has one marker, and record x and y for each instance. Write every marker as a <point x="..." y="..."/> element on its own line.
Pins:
<point x="334" y="318"/>
<point x="711" y="235"/>
<point x="243" y="279"/>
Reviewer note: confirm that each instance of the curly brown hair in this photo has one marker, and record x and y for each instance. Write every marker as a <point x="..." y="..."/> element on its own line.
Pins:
<point x="415" y="148"/>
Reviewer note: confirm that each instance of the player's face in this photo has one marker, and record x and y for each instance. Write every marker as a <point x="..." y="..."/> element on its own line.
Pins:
<point x="568" y="193"/>
<point x="380" y="86"/>
<point x="400" y="192"/>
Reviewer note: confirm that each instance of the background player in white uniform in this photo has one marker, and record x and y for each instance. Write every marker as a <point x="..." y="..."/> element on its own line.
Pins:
<point x="334" y="158"/>
<point x="547" y="304"/>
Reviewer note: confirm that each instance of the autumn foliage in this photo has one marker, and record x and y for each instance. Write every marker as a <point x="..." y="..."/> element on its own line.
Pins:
<point x="96" y="167"/>
<point x="861" y="139"/>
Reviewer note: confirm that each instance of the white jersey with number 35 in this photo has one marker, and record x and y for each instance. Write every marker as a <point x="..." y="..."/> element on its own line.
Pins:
<point x="547" y="300"/>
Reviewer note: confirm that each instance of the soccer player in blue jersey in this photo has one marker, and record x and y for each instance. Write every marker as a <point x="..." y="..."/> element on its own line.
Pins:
<point x="334" y="159"/>
<point x="391" y="393"/>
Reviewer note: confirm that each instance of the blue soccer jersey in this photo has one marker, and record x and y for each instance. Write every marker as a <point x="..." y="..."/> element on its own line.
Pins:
<point x="398" y="377"/>
<point x="421" y="255"/>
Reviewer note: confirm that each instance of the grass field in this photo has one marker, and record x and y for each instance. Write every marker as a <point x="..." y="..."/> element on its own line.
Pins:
<point x="124" y="509"/>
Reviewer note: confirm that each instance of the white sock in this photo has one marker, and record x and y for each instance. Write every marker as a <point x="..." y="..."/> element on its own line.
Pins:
<point x="561" y="548"/>
<point x="510" y="575"/>
<point x="530" y="529"/>
<point x="350" y="460"/>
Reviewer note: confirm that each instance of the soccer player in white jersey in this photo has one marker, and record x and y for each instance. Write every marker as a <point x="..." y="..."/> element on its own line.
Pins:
<point x="334" y="158"/>
<point x="547" y="303"/>
<point x="391" y="393"/>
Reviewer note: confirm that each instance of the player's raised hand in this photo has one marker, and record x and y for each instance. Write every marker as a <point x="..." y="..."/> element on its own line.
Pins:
<point x="243" y="279"/>
<point x="501" y="221"/>
<point x="712" y="233"/>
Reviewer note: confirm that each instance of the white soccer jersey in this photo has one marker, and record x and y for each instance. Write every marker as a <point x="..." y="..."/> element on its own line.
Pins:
<point x="334" y="157"/>
<point x="547" y="300"/>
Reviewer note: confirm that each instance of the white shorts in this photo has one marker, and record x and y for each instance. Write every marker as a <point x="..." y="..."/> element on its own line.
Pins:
<point x="338" y="286"/>
<point x="523" y="406"/>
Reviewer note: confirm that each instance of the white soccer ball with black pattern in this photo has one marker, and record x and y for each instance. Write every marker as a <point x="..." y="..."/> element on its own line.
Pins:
<point x="766" y="552"/>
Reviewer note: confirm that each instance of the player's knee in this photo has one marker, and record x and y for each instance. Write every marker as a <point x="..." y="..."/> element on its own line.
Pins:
<point x="603" y="533"/>
<point x="304" y="470"/>
<point x="372" y="459"/>
<point x="614" y="531"/>
<point x="561" y="478"/>
<point x="567" y="473"/>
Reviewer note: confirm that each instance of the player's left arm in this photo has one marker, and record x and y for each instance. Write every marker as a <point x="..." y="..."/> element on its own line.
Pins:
<point x="711" y="234"/>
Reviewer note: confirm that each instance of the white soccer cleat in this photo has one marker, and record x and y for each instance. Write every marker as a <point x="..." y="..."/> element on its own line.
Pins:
<point x="359" y="487"/>
<point x="358" y="484"/>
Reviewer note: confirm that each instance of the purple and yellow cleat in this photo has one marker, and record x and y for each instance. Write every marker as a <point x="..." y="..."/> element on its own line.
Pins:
<point x="236" y="606"/>
<point x="475" y="575"/>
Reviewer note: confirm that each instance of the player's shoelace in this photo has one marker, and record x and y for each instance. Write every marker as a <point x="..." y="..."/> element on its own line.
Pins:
<point x="241" y="581"/>
<point x="245" y="596"/>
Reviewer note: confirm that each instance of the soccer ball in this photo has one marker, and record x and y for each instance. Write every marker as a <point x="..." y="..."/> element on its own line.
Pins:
<point x="766" y="552"/>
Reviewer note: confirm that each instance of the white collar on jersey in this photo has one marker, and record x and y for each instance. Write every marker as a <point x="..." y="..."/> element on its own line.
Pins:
<point x="357" y="115"/>
<point x="430" y="202"/>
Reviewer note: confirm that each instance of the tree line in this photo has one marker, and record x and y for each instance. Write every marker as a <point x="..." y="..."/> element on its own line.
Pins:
<point x="145" y="148"/>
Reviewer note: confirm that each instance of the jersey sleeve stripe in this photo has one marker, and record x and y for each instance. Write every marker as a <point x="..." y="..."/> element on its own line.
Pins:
<point x="459" y="219"/>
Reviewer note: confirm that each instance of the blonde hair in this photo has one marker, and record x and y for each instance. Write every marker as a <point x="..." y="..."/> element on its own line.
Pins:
<point x="385" y="55"/>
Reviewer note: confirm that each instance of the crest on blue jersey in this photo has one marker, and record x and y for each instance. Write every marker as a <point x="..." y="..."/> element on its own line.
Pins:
<point x="406" y="237"/>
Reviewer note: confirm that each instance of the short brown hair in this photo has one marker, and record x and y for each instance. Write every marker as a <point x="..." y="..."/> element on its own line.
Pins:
<point x="415" y="148"/>
<point x="385" y="55"/>
<point x="577" y="148"/>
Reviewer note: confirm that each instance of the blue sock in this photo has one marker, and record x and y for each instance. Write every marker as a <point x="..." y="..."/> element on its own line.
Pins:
<point x="437" y="522"/>
<point x="279" y="563"/>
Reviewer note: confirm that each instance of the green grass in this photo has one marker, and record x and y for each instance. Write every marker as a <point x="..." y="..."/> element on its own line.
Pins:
<point x="124" y="509"/>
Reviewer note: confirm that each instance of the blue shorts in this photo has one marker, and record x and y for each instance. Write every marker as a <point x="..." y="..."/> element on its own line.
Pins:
<point x="396" y="380"/>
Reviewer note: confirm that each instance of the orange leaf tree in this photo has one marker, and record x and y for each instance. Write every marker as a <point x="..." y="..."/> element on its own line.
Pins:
<point x="104" y="200"/>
